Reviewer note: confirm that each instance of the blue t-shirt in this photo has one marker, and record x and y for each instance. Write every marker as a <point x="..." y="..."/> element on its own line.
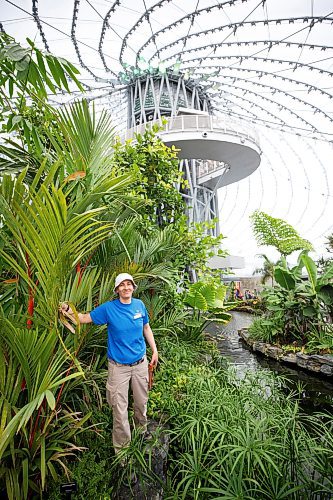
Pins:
<point x="125" y="323"/>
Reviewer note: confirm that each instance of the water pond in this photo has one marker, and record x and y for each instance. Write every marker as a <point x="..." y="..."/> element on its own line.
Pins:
<point x="316" y="393"/>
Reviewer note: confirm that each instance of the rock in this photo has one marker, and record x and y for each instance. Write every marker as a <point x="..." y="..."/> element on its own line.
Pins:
<point x="301" y="360"/>
<point x="273" y="352"/>
<point x="259" y="346"/>
<point x="316" y="363"/>
<point x="326" y="359"/>
<point x="158" y="453"/>
<point x="326" y="370"/>
<point x="289" y="358"/>
<point x="244" y="335"/>
<point x="313" y="366"/>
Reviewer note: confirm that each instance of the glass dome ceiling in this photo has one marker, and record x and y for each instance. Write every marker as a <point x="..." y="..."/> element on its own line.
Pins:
<point x="267" y="63"/>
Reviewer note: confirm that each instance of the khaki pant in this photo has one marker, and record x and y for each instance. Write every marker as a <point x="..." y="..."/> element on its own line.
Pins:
<point x="117" y="386"/>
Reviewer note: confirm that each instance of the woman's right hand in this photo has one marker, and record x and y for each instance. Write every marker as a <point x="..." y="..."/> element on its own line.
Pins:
<point x="65" y="308"/>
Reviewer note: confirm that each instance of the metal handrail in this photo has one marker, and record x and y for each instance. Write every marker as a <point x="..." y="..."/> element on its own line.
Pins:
<point x="210" y="166"/>
<point x="199" y="123"/>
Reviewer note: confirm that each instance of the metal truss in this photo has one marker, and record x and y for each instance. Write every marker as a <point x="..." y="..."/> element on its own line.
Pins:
<point x="151" y="99"/>
<point x="266" y="63"/>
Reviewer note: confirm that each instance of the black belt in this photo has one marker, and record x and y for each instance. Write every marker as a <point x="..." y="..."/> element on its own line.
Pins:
<point x="128" y="364"/>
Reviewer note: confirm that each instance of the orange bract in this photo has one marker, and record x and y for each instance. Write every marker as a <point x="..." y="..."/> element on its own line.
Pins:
<point x="80" y="174"/>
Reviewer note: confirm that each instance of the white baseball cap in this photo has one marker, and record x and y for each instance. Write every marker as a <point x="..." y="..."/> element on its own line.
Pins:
<point x="122" y="277"/>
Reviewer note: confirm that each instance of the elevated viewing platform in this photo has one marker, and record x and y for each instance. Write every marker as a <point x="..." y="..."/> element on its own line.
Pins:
<point x="230" y="150"/>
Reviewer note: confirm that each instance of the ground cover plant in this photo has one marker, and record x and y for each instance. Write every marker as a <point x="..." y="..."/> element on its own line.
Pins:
<point x="236" y="438"/>
<point x="229" y="437"/>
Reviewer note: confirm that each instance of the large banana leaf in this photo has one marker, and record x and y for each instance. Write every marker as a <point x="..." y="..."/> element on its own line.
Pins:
<point x="311" y="268"/>
<point x="284" y="278"/>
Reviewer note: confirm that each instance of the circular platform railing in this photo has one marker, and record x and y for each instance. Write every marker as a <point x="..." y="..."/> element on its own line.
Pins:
<point x="199" y="123"/>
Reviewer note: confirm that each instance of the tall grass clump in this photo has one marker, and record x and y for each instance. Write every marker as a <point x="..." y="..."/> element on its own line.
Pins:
<point x="234" y="438"/>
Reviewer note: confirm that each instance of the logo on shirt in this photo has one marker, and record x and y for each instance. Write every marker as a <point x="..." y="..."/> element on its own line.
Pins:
<point x="137" y="315"/>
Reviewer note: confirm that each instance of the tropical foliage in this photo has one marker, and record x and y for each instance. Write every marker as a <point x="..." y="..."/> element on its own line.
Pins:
<point x="48" y="230"/>
<point x="74" y="213"/>
<point x="277" y="233"/>
<point x="235" y="439"/>
<point x="27" y="75"/>
<point x="156" y="169"/>
<point x="267" y="270"/>
<point x="298" y="310"/>
<point x="229" y="438"/>
<point x="208" y="303"/>
<point x="76" y="210"/>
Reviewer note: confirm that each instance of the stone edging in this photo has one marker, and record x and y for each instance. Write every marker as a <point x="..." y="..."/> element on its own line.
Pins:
<point x="322" y="364"/>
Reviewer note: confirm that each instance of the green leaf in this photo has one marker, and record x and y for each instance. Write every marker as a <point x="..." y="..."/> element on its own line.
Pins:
<point x="326" y="277"/>
<point x="17" y="119"/>
<point x="220" y="296"/>
<point x="309" y="311"/>
<point x="61" y="73"/>
<point x="41" y="65"/>
<point x="311" y="268"/>
<point x="326" y="294"/>
<point x="284" y="278"/>
<point x="50" y="399"/>
<point x="23" y="63"/>
<point x="11" y="87"/>
<point x="221" y="317"/>
<point x="16" y="52"/>
<point x="25" y="477"/>
<point x="209" y="292"/>
<point x="196" y="300"/>
<point x="42" y="460"/>
<point x="53" y="69"/>
<point x="278" y="233"/>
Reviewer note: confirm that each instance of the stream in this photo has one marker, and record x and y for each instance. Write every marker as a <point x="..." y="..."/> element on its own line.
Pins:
<point x="316" y="394"/>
